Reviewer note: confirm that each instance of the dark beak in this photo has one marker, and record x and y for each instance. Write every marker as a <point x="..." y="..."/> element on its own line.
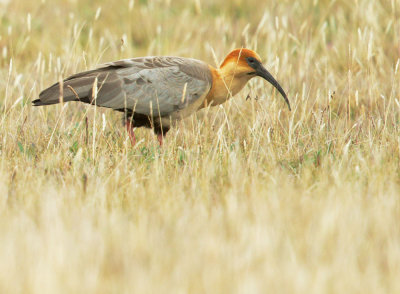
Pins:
<point x="262" y="72"/>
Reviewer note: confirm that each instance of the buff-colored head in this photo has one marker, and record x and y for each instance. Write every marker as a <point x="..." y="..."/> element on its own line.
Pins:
<point x="247" y="63"/>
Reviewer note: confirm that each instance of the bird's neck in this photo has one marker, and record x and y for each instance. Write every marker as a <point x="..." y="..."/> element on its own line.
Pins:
<point x="226" y="84"/>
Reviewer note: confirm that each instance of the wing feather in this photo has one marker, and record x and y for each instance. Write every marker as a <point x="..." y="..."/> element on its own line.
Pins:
<point x="156" y="86"/>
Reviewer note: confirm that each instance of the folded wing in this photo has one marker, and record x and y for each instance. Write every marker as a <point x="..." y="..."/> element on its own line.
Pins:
<point x="156" y="86"/>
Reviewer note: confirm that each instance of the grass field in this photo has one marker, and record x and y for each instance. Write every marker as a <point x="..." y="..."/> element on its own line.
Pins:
<point x="243" y="198"/>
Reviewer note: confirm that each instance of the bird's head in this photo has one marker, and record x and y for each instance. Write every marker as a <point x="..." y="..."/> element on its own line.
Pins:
<point x="245" y="63"/>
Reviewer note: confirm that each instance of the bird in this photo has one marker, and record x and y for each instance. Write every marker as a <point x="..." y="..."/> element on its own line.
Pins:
<point x="156" y="91"/>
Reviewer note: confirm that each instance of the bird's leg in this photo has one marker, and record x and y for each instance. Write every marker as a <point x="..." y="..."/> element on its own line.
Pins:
<point x="131" y="134"/>
<point x="160" y="139"/>
<point x="161" y="132"/>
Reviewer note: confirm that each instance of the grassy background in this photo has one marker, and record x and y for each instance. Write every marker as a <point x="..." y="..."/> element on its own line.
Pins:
<point x="243" y="198"/>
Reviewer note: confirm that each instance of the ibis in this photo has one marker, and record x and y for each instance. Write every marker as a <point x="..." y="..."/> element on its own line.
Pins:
<point x="156" y="91"/>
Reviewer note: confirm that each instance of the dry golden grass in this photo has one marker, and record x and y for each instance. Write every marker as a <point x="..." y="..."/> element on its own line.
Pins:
<point x="243" y="198"/>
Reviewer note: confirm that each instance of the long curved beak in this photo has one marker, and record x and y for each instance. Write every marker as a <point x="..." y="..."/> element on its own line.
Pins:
<point x="262" y="72"/>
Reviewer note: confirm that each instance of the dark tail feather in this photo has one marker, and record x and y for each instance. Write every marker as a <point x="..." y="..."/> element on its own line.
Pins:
<point x="39" y="102"/>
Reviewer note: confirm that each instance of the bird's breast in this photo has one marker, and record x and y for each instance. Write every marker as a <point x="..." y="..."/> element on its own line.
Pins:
<point x="224" y="88"/>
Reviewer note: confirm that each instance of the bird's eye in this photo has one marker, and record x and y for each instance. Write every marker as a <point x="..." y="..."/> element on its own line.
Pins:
<point x="251" y="60"/>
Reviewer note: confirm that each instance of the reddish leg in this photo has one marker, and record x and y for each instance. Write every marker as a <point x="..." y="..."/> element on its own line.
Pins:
<point x="160" y="139"/>
<point x="129" y="129"/>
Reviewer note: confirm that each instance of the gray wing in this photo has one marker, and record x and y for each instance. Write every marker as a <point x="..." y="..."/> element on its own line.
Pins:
<point x="156" y="86"/>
